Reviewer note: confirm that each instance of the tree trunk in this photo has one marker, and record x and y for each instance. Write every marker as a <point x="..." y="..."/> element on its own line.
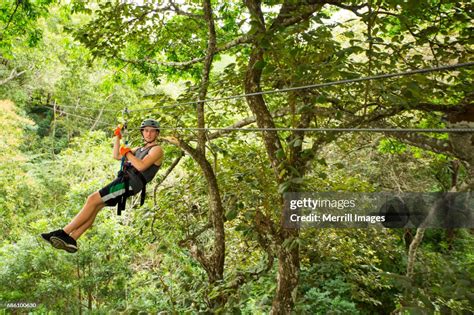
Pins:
<point x="288" y="273"/>
<point x="216" y="265"/>
<point x="288" y="256"/>
<point x="412" y="251"/>
<point x="212" y="262"/>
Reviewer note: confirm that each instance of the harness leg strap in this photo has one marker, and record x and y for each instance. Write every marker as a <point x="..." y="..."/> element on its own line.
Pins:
<point x="143" y="194"/>
<point x="123" y="198"/>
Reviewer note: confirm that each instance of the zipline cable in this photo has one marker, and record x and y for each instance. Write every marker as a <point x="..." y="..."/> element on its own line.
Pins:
<point x="80" y="116"/>
<point x="86" y="108"/>
<point x="468" y="130"/>
<point x="250" y="129"/>
<point x="317" y="85"/>
<point x="311" y="86"/>
<point x="375" y="77"/>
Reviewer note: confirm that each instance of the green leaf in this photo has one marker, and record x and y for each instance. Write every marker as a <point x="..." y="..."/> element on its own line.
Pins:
<point x="283" y="187"/>
<point x="232" y="214"/>
<point x="297" y="180"/>
<point x="280" y="154"/>
<point x="259" y="65"/>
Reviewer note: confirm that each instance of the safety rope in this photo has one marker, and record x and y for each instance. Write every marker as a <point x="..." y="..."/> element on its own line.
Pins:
<point x="125" y="116"/>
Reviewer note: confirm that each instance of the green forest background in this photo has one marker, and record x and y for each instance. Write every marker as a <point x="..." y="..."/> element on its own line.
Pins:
<point x="209" y="237"/>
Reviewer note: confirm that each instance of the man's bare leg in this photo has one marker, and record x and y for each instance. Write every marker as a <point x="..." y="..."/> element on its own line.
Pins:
<point x="80" y="230"/>
<point x="88" y="212"/>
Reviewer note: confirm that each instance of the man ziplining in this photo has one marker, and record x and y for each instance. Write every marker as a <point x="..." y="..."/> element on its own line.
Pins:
<point x="140" y="167"/>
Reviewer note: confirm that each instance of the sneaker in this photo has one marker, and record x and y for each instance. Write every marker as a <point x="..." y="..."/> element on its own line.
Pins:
<point x="47" y="236"/>
<point x="60" y="240"/>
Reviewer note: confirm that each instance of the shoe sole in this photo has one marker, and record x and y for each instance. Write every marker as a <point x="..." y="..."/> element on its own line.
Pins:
<point x="45" y="238"/>
<point x="60" y="244"/>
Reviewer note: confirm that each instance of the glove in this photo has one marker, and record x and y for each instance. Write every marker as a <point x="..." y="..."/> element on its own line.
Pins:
<point x="124" y="150"/>
<point x="118" y="131"/>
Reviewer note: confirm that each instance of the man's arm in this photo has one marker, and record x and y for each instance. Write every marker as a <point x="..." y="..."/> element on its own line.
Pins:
<point x="116" y="153"/>
<point x="155" y="154"/>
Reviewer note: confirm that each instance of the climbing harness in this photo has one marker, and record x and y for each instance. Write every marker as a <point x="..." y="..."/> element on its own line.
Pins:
<point x="126" y="168"/>
<point x="124" y="176"/>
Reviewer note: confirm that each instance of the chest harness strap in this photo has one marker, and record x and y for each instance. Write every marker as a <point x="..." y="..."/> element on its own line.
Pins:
<point x="124" y="177"/>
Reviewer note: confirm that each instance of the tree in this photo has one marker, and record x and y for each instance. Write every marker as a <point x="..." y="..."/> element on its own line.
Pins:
<point x="18" y="24"/>
<point x="291" y="44"/>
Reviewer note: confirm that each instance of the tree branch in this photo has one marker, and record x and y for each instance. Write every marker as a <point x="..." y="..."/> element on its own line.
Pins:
<point x="412" y="251"/>
<point x="178" y="11"/>
<point x="421" y="141"/>
<point x="211" y="48"/>
<point x="168" y="171"/>
<point x="291" y="13"/>
<point x="171" y="7"/>
<point x="18" y="2"/>
<point x="181" y="144"/>
<point x="13" y="75"/>
<point x="244" y="122"/>
<point x="287" y="16"/>
<point x="244" y="39"/>
<point x="192" y="237"/>
<point x="353" y="8"/>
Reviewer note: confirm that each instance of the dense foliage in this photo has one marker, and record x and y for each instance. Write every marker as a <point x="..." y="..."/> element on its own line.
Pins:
<point x="209" y="237"/>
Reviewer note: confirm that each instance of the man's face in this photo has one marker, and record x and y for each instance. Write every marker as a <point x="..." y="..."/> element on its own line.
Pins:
<point x="149" y="134"/>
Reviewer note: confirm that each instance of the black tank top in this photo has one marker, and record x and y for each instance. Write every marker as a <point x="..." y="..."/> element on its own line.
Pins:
<point x="149" y="173"/>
